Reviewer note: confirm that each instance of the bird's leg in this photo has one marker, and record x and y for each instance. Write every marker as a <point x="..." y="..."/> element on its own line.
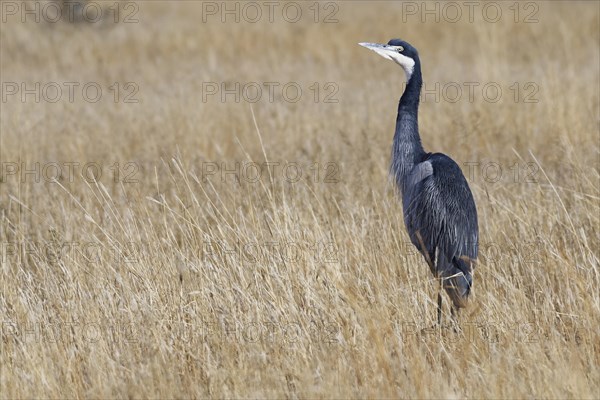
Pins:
<point x="439" y="310"/>
<point x="455" y="317"/>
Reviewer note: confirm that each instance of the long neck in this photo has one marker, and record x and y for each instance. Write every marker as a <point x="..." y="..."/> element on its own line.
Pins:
<point x="407" y="149"/>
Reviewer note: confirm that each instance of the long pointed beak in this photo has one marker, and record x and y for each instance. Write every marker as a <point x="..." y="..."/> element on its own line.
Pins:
<point x="383" y="50"/>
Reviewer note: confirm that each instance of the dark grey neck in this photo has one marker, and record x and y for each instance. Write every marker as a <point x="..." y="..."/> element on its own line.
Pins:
<point x="407" y="150"/>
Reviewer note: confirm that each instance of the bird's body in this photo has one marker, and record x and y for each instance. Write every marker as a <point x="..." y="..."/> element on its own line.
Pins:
<point x="441" y="219"/>
<point x="439" y="210"/>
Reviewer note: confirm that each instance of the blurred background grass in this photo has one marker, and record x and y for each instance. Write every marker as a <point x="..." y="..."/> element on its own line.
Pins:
<point x="175" y="320"/>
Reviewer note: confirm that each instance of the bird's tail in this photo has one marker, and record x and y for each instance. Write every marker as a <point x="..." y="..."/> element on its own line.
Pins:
<point x="458" y="281"/>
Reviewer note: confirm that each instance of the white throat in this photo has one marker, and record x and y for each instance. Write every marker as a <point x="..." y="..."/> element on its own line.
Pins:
<point x="407" y="63"/>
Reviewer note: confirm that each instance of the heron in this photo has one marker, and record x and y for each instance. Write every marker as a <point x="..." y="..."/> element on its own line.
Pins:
<point x="438" y="207"/>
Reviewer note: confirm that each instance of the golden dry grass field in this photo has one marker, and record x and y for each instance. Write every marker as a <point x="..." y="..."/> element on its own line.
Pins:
<point x="198" y="208"/>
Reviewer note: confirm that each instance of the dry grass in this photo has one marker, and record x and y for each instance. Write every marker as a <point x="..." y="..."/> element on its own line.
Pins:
<point x="111" y="289"/>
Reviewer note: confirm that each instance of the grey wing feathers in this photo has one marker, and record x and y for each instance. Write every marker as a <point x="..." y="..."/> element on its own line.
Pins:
<point x="420" y="172"/>
<point x="440" y="213"/>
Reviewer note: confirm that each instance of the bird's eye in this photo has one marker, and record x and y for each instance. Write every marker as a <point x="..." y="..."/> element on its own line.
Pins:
<point x="400" y="49"/>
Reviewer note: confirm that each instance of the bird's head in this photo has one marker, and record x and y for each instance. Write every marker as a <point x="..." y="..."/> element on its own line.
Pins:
<point x="399" y="51"/>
